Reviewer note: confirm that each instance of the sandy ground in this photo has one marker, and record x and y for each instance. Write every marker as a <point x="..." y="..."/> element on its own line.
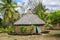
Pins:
<point x="5" y="36"/>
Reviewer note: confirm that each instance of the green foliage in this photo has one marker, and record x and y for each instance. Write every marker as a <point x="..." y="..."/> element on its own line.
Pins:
<point x="10" y="29"/>
<point x="31" y="30"/>
<point x="49" y="18"/>
<point x="23" y="29"/>
<point x="39" y="10"/>
<point x="55" y="17"/>
<point x="49" y="26"/>
<point x="8" y="9"/>
<point x="2" y="29"/>
<point x="52" y="19"/>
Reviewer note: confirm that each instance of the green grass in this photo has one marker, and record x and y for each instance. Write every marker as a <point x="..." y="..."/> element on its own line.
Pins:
<point x="54" y="33"/>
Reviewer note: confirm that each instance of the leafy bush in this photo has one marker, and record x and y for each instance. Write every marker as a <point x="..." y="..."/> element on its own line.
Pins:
<point x="2" y="29"/>
<point x="23" y="29"/>
<point x="10" y="29"/>
<point x="7" y="29"/>
<point x="49" y="26"/>
<point x="32" y="28"/>
<point x="55" y="17"/>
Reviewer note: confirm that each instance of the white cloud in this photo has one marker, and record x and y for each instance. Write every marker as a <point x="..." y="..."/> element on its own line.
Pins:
<point x="25" y="5"/>
<point x="52" y="4"/>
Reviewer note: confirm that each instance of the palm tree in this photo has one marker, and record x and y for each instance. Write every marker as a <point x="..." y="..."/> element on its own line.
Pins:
<point x="7" y="7"/>
<point x="40" y="10"/>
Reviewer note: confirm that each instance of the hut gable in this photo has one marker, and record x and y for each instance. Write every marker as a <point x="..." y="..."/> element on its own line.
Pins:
<point x="29" y="19"/>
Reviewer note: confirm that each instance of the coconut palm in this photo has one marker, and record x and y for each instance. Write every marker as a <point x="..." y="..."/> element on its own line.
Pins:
<point x="7" y="7"/>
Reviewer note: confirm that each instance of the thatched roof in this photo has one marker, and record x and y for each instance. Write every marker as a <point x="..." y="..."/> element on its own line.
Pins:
<point x="29" y="19"/>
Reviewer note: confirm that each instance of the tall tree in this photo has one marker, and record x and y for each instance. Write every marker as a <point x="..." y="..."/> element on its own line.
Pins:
<point x="40" y="10"/>
<point x="7" y="7"/>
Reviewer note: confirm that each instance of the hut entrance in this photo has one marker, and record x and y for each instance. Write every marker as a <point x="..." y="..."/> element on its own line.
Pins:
<point x="38" y="29"/>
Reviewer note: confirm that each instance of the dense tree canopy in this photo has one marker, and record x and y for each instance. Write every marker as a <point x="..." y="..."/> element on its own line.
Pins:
<point x="7" y="7"/>
<point x="55" y="17"/>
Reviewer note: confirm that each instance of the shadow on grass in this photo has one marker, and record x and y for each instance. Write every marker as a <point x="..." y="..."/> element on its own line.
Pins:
<point x="53" y="35"/>
<point x="24" y="34"/>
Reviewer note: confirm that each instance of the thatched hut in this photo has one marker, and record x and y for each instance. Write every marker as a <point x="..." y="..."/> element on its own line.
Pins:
<point x="28" y="20"/>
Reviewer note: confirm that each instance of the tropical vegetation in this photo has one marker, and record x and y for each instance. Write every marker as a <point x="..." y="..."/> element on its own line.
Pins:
<point x="10" y="15"/>
<point x="50" y="18"/>
<point x="7" y="8"/>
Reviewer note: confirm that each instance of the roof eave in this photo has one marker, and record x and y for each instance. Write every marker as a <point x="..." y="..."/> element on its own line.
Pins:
<point x="28" y="24"/>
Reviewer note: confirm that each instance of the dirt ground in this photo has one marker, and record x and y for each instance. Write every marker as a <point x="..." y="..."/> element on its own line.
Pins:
<point x="53" y="35"/>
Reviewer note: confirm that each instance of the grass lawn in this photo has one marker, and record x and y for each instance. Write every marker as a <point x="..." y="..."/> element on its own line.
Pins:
<point x="53" y="35"/>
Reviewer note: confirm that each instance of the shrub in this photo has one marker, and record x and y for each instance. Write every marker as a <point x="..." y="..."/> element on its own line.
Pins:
<point x="10" y="29"/>
<point x="49" y="26"/>
<point x="23" y="29"/>
<point x="32" y="28"/>
<point x="2" y="29"/>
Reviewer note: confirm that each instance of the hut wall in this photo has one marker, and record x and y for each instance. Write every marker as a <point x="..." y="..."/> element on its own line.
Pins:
<point x="17" y="29"/>
<point x="42" y="28"/>
<point x="34" y="31"/>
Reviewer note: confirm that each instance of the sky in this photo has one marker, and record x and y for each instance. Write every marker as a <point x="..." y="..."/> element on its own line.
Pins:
<point x="51" y="4"/>
<point x="21" y="1"/>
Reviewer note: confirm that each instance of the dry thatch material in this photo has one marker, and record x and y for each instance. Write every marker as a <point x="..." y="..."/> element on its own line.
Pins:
<point x="29" y="19"/>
